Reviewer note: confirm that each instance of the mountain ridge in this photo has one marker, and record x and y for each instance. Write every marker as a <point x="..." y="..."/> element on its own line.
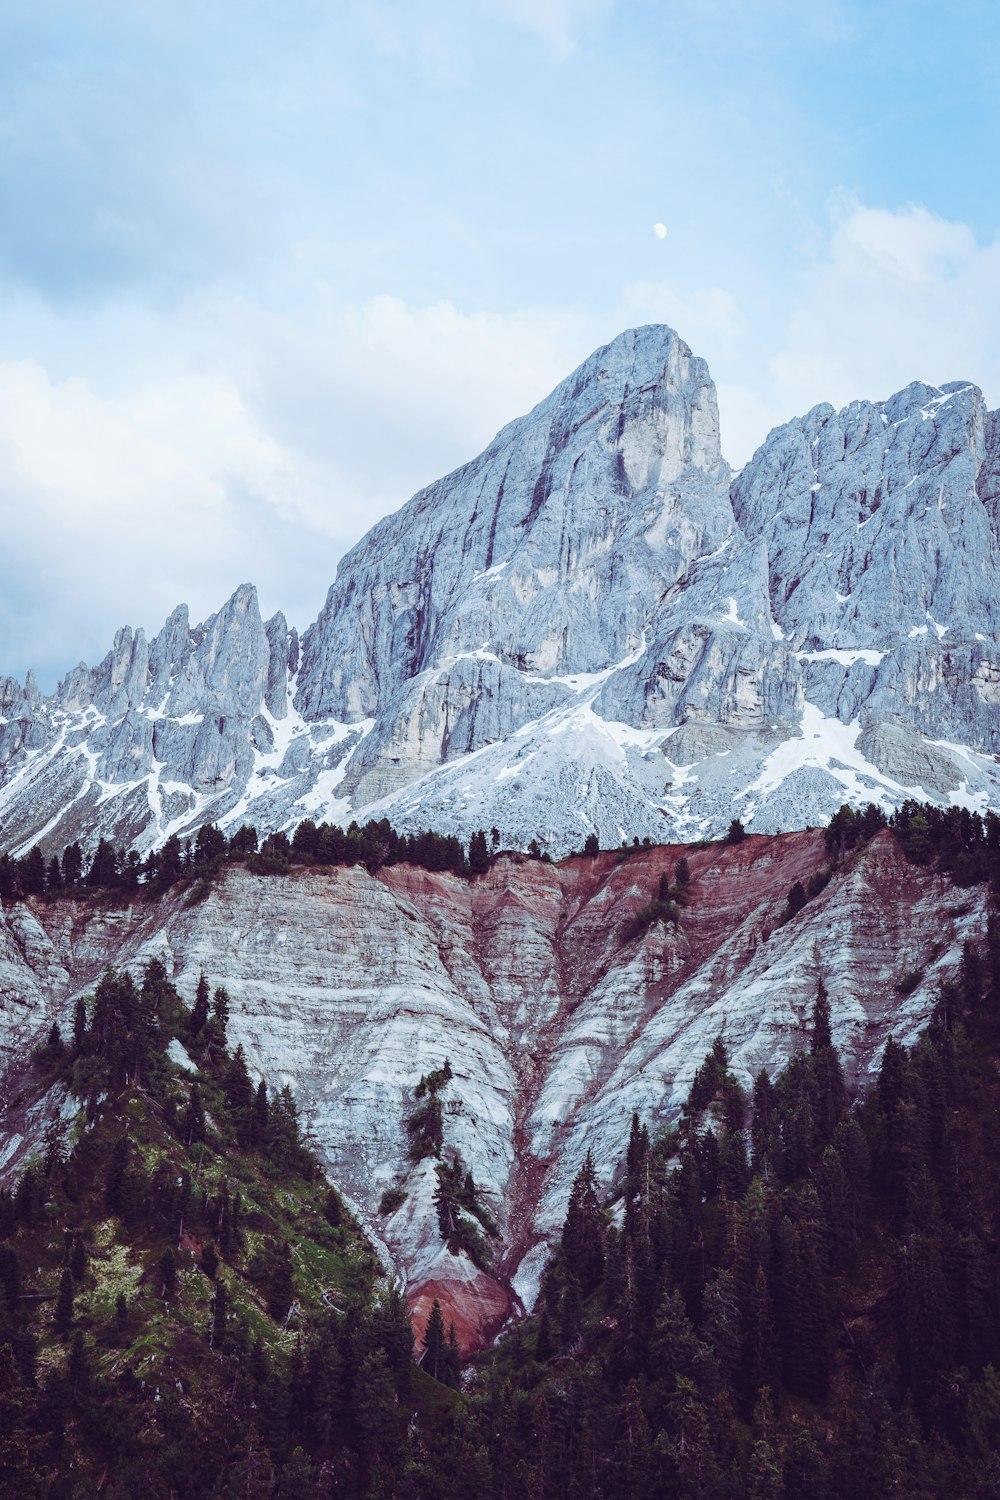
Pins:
<point x="590" y="627"/>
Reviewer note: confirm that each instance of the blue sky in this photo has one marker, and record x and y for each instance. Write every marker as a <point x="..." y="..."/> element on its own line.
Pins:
<point x="267" y="268"/>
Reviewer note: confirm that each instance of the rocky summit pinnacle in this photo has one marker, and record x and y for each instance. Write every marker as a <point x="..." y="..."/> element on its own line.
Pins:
<point x="589" y="628"/>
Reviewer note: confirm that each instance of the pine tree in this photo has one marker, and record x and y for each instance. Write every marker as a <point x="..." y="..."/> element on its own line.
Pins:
<point x="433" y="1357"/>
<point x="79" y="1024"/>
<point x="281" y="1285"/>
<point x="377" y="1416"/>
<point x="821" y="1034"/>
<point x="220" y="1016"/>
<point x="72" y="865"/>
<point x="763" y="1130"/>
<point x="116" y="1194"/>
<point x="33" y="872"/>
<point x="260" y="1119"/>
<point x="479" y="856"/>
<point x="193" y="1122"/>
<point x="583" y="1230"/>
<point x="200" y="1010"/>
<point x="452" y="1371"/>
<point x="237" y="1086"/>
<point x="760" y="1351"/>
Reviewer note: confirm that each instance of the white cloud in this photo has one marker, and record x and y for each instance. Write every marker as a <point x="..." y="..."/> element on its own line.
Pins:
<point x="899" y="296"/>
<point x="117" y="507"/>
<point x="227" y="440"/>
<point x="888" y="296"/>
<point x="267" y="463"/>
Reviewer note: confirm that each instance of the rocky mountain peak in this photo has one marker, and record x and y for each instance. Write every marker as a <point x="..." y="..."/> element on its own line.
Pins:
<point x="590" y="627"/>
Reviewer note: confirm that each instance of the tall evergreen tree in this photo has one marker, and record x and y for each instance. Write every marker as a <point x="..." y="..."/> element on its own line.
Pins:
<point x="583" y="1230"/>
<point x="201" y="1008"/>
<point x="433" y="1356"/>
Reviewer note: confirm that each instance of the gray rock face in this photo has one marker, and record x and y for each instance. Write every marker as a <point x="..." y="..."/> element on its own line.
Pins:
<point x="556" y="1022"/>
<point x="584" y="629"/>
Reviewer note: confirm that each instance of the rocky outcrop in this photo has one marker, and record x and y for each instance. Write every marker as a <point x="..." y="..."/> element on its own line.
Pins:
<point x="557" y="1022"/>
<point x="586" y="628"/>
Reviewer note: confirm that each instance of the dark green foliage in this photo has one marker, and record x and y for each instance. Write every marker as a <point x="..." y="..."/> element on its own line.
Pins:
<point x="663" y="908"/>
<point x="426" y="1124"/>
<point x="79" y="1024"/>
<point x="177" y="1209"/>
<point x="78" y="1258"/>
<point x="33" y="872"/>
<point x="848" y="828"/>
<point x="220" y="1307"/>
<point x="458" y="1205"/>
<point x="220" y="1016"/>
<point x="796" y="900"/>
<point x="435" y="1342"/>
<point x="479" y="855"/>
<point x="201" y="1009"/>
<point x="192" y="1128"/>
<point x="392" y="1199"/>
<point x="828" y="1327"/>
<point x="62" y="1317"/>
<point x="583" y="1231"/>
<point x="167" y="1274"/>
<point x="280" y="1285"/>
<point x="591" y="845"/>
<point x="237" y="1087"/>
<point x="961" y="843"/>
<point x="72" y="866"/>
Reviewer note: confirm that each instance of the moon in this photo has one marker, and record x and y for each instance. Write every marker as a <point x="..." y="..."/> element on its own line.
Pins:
<point x="660" y="230"/>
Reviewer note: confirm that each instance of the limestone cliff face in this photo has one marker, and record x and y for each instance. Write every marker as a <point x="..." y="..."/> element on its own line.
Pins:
<point x="546" y="552"/>
<point x="556" y="1023"/>
<point x="586" y="628"/>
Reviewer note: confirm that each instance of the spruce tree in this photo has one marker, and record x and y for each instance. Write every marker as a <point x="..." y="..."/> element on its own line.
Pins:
<point x="433" y="1357"/>
<point x="193" y="1122"/>
<point x="479" y="857"/>
<point x="79" y="1024"/>
<point x="72" y="865"/>
<point x="452" y="1372"/>
<point x="583" y="1230"/>
<point x="237" y="1086"/>
<point x="281" y="1285"/>
<point x="220" y="1016"/>
<point x="200" y="1010"/>
<point x="260" y="1118"/>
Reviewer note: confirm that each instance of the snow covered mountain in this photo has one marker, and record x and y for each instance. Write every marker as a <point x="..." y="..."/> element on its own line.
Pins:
<point x="590" y="627"/>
